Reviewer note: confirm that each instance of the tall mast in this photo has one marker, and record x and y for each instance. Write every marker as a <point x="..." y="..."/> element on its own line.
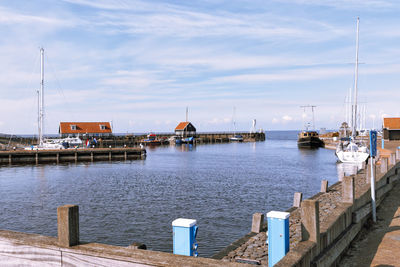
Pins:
<point x="306" y="124"/>
<point x="355" y="85"/>
<point x="187" y="114"/>
<point x="349" y="111"/>
<point x="234" y="120"/>
<point x="41" y="98"/>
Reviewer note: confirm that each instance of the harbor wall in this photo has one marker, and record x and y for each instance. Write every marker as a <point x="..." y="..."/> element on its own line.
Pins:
<point x="343" y="209"/>
<point x="340" y="227"/>
<point x="200" y="138"/>
<point x="70" y="155"/>
<point x="131" y="140"/>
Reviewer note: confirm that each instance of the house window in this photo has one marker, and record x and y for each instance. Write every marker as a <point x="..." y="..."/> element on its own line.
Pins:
<point x="102" y="127"/>
<point x="73" y="127"/>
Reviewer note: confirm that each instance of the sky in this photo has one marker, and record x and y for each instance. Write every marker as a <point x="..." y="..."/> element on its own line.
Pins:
<point x="139" y="64"/>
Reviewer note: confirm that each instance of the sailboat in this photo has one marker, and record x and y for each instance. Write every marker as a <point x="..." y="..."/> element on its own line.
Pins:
<point x="235" y="137"/>
<point x="353" y="150"/>
<point x="47" y="144"/>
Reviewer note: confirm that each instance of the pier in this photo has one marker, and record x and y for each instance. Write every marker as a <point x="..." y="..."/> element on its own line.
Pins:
<point x="134" y="140"/>
<point x="200" y="138"/>
<point x="70" y="155"/>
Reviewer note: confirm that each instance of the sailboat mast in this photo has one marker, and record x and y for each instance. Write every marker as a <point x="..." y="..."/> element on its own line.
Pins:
<point x="41" y="98"/>
<point x="355" y="85"/>
<point x="313" y="118"/>
<point x="234" y="120"/>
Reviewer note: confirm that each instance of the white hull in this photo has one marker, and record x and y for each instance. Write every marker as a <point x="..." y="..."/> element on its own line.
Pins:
<point x="352" y="156"/>
<point x="45" y="146"/>
<point x="72" y="141"/>
<point x="50" y="144"/>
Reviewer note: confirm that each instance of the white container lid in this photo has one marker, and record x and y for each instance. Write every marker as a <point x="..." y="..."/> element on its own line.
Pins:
<point x="184" y="222"/>
<point x="278" y="215"/>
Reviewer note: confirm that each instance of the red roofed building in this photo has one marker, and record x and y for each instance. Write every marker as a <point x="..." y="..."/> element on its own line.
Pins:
<point x="391" y="128"/>
<point x="185" y="129"/>
<point x="85" y="129"/>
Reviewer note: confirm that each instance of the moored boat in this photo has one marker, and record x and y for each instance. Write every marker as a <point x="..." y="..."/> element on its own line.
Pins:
<point x="353" y="150"/>
<point x="236" y="138"/>
<point x="309" y="139"/>
<point x="151" y="140"/>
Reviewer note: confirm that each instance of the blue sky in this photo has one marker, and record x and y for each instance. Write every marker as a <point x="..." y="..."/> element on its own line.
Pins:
<point x="139" y="64"/>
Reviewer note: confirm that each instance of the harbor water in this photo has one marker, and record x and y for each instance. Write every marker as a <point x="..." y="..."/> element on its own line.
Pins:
<point x="219" y="185"/>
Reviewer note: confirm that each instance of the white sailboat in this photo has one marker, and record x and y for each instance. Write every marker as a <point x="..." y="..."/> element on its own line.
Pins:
<point x="235" y="137"/>
<point x="353" y="150"/>
<point x="47" y="144"/>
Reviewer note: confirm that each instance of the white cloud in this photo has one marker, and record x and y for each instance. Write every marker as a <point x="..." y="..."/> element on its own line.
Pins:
<point x="287" y="118"/>
<point x="145" y="61"/>
<point x="348" y="4"/>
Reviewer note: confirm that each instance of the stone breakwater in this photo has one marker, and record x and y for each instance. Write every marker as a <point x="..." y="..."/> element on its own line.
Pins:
<point x="253" y="248"/>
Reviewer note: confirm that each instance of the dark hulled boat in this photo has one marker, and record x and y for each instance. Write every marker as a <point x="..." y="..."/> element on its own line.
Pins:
<point x="309" y="139"/>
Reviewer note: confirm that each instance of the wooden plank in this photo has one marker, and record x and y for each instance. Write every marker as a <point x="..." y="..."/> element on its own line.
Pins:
<point x="14" y="254"/>
<point x="74" y="259"/>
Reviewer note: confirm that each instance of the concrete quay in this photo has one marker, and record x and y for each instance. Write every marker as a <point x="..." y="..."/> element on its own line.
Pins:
<point x="331" y="219"/>
<point x="70" y="155"/>
<point x="378" y="244"/>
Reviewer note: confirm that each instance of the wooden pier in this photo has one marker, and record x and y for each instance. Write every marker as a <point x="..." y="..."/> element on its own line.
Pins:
<point x="70" y="155"/>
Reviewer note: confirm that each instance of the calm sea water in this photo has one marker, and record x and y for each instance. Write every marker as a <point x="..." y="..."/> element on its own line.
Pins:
<point x="219" y="185"/>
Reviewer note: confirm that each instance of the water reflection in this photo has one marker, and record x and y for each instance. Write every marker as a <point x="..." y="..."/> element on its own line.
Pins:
<point x="185" y="147"/>
<point x="347" y="169"/>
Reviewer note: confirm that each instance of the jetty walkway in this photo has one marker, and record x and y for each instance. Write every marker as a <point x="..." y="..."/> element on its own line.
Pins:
<point x="378" y="244"/>
<point x="69" y="155"/>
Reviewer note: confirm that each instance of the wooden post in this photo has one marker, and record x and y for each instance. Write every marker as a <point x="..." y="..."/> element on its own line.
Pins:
<point x="37" y="158"/>
<point x="384" y="165"/>
<point x="58" y="158"/>
<point x="363" y="165"/>
<point x="310" y="221"/>
<point x="9" y="158"/>
<point x="257" y="222"/>
<point x="348" y="189"/>
<point x="68" y="225"/>
<point x="76" y="157"/>
<point x="125" y="155"/>
<point x="297" y="199"/>
<point x="392" y="159"/>
<point x="91" y="156"/>
<point x="109" y="155"/>
<point x="324" y="186"/>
